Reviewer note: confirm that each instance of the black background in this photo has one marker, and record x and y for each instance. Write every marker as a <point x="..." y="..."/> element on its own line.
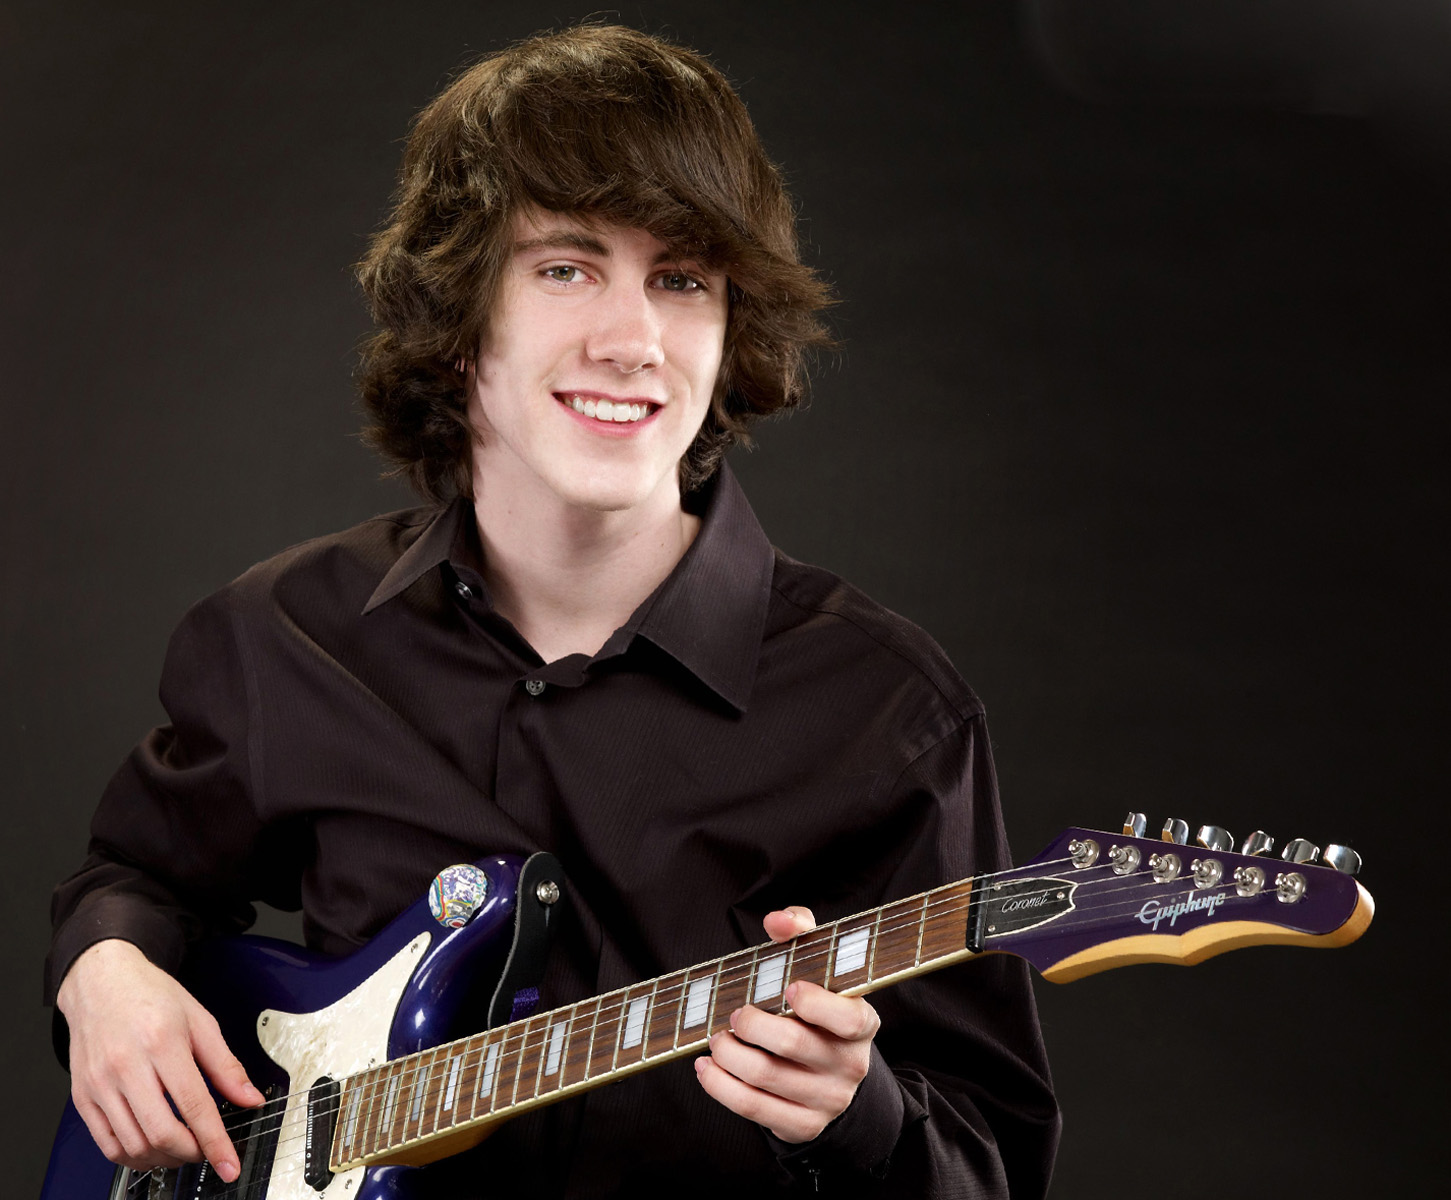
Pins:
<point x="1140" y="412"/>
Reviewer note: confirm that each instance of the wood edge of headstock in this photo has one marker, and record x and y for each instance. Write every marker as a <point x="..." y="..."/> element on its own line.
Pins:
<point x="1186" y="949"/>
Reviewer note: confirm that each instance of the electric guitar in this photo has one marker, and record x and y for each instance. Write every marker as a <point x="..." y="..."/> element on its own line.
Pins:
<point x="366" y="1078"/>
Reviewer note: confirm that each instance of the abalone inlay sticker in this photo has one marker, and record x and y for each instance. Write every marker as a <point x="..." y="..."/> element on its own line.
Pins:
<point x="456" y="893"/>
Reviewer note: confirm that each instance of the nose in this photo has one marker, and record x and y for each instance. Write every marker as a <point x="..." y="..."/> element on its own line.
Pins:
<point x="627" y="332"/>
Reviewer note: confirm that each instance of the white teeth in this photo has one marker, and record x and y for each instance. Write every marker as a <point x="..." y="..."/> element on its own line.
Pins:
<point x="609" y="410"/>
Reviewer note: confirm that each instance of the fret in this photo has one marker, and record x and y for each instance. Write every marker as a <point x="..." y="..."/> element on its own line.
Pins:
<point x="350" y="1105"/>
<point x="921" y="929"/>
<point x="898" y="938"/>
<point x="453" y="1069"/>
<point x="372" y="1108"/>
<point x="698" y="990"/>
<point x="517" y="1059"/>
<point x="417" y="1097"/>
<point x="633" y="1021"/>
<point x="553" y="1049"/>
<point x="383" y="1135"/>
<point x="733" y="988"/>
<point x="876" y="935"/>
<point x="605" y="1045"/>
<point x="665" y="1014"/>
<point x="945" y="922"/>
<point x="849" y="955"/>
<point x="488" y="1071"/>
<point x="471" y="1076"/>
<point x="576" y="1060"/>
<point x="810" y="958"/>
<point x="507" y="1069"/>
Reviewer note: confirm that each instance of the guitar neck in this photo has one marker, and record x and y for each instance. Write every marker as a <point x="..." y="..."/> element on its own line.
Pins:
<point x="425" y="1106"/>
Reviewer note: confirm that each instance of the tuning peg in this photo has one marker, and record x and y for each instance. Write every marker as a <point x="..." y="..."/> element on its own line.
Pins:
<point x="1298" y="850"/>
<point x="1135" y="824"/>
<point x="1259" y="842"/>
<point x="1342" y="858"/>
<point x="1212" y="837"/>
<point x="1175" y="831"/>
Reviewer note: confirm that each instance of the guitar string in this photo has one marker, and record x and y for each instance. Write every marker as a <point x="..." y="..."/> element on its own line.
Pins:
<point x="526" y="1048"/>
<point x="571" y="1014"/>
<point x="914" y="916"/>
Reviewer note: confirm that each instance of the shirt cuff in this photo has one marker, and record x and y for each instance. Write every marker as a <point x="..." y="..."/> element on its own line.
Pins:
<point x="859" y="1141"/>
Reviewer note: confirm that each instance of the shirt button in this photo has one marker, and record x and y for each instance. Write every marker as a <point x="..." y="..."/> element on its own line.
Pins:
<point x="464" y="590"/>
<point x="534" y="686"/>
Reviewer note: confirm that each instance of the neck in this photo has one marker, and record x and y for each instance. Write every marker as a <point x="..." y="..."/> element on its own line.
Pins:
<point x="566" y="577"/>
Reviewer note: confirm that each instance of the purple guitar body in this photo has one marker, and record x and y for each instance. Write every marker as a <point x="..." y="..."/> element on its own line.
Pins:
<point x="406" y="990"/>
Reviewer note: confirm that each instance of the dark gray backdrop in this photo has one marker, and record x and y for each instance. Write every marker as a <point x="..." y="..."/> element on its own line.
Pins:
<point x="1140" y="413"/>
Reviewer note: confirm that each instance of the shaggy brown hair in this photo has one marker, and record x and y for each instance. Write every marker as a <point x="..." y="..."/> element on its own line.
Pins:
<point x="613" y="126"/>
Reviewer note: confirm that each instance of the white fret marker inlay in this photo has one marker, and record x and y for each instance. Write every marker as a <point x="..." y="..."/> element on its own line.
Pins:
<point x="768" y="977"/>
<point x="454" y="1065"/>
<point x="486" y="1081"/>
<point x="390" y="1099"/>
<point x="635" y="1023"/>
<point x="420" y="1090"/>
<point x="697" y="1003"/>
<point x="851" y="951"/>
<point x="556" y="1046"/>
<point x="351" y="1128"/>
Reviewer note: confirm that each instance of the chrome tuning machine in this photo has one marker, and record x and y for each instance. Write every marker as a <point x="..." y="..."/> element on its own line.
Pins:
<point x="1175" y="831"/>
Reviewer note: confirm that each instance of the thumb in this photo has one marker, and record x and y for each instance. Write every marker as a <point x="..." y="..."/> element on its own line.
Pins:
<point x="786" y="923"/>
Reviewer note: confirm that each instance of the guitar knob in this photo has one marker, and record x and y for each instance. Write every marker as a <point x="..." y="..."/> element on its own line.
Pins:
<point x="1298" y="850"/>
<point x="1175" y="831"/>
<point x="1342" y="858"/>
<point x="1135" y="824"/>
<point x="1212" y="837"/>
<point x="1259" y="842"/>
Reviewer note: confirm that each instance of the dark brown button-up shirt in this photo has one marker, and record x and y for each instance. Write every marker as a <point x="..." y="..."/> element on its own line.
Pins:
<point x="351" y="716"/>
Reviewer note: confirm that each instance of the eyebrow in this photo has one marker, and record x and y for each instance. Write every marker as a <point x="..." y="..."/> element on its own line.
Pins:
<point x="573" y="239"/>
<point x="563" y="239"/>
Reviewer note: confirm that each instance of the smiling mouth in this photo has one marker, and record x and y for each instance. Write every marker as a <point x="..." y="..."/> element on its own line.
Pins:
<point x="615" y="412"/>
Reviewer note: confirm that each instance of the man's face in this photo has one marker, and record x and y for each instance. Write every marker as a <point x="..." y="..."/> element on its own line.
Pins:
<point x="601" y="358"/>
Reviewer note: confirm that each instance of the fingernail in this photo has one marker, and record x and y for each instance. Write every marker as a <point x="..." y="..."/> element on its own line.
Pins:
<point x="735" y="1016"/>
<point x="257" y="1096"/>
<point x="792" y="992"/>
<point x="699" y="1070"/>
<point x="228" y="1170"/>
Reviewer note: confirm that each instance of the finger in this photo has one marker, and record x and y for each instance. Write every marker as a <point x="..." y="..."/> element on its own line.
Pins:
<point x="136" y="1148"/>
<point x="786" y="923"/>
<point x="218" y="1062"/>
<point x="848" y="1017"/>
<point x="788" y="1120"/>
<point x="784" y="1037"/>
<point x="158" y="1124"/>
<point x="187" y="1089"/>
<point x="779" y="1076"/>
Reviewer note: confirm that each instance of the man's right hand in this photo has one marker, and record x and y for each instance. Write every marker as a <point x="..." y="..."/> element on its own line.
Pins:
<point x="137" y="1037"/>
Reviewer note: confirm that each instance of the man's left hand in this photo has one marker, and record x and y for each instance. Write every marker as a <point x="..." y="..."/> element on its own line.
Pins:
<point x="793" y="1074"/>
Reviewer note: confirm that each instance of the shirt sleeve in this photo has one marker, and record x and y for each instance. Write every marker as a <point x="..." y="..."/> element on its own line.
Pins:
<point x="177" y="849"/>
<point x="958" y="1100"/>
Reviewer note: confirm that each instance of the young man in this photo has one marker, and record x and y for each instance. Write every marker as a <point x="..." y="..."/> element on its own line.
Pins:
<point x="584" y="643"/>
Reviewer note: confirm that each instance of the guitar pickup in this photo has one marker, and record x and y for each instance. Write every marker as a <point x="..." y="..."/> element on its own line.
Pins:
<point x="322" y="1120"/>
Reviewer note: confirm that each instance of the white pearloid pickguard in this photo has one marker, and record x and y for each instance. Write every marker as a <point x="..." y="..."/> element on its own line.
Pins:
<point x="347" y="1036"/>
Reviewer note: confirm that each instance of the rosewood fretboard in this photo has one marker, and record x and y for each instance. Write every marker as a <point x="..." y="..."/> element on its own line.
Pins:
<point x="427" y="1105"/>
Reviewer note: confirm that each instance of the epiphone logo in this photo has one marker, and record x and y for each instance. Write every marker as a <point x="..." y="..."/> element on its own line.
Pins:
<point x="1153" y="912"/>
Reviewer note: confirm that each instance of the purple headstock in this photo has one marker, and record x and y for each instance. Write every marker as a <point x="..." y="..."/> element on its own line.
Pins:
<point x="1095" y="900"/>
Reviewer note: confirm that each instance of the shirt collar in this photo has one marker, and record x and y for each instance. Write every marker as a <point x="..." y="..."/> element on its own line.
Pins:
<point x="708" y="614"/>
